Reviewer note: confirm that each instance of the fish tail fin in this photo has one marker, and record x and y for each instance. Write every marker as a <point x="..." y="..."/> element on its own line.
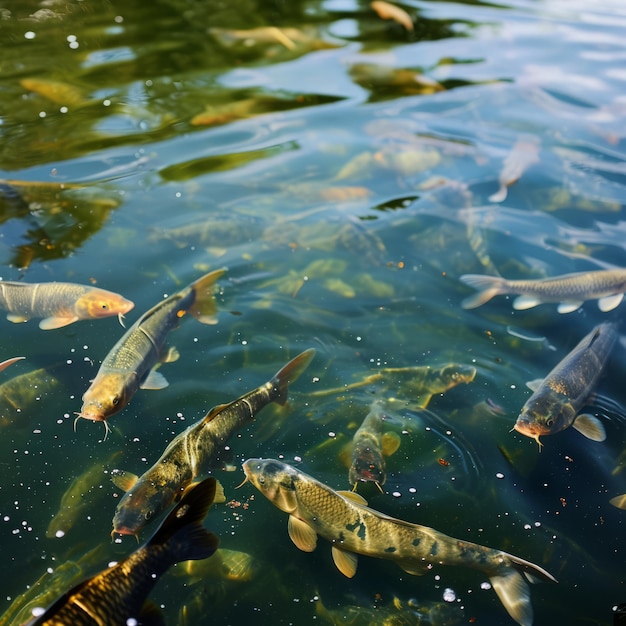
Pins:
<point x="513" y="590"/>
<point x="204" y="308"/>
<point x="487" y="286"/>
<point x="289" y="374"/>
<point x="182" y="529"/>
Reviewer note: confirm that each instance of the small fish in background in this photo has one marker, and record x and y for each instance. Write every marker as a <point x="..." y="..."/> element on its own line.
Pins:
<point x="130" y="364"/>
<point x="117" y="595"/>
<point x="344" y="519"/>
<point x="570" y="290"/>
<point x="194" y="450"/>
<point x="558" y="398"/>
<point x="523" y="154"/>
<point x="370" y="444"/>
<point x="59" y="304"/>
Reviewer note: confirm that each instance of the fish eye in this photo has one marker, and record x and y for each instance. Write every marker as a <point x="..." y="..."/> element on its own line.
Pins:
<point x="115" y="400"/>
<point x="549" y="421"/>
<point x="148" y="515"/>
<point x="261" y="480"/>
<point x="104" y="306"/>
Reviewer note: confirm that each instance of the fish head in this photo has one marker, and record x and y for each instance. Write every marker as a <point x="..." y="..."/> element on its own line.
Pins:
<point x="547" y="414"/>
<point x="108" y="394"/>
<point x="275" y="480"/>
<point x="456" y="374"/>
<point x="97" y="303"/>
<point x="368" y="465"/>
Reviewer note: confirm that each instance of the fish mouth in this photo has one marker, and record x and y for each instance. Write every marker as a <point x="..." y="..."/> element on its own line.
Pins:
<point x="530" y="428"/>
<point x="122" y="530"/>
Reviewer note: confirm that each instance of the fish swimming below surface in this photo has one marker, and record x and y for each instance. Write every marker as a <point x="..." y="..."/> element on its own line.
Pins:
<point x="558" y="398"/>
<point x="343" y="518"/>
<point x="129" y="364"/>
<point x="570" y="290"/>
<point x="116" y="595"/>
<point x="59" y="304"/>
<point x="194" y="450"/>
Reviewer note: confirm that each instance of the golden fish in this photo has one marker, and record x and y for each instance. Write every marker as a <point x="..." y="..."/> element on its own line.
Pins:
<point x="557" y="399"/>
<point x="388" y="11"/>
<point x="117" y="594"/>
<point x="570" y="290"/>
<point x="129" y="365"/>
<point x="353" y="528"/>
<point x="191" y="452"/>
<point x="59" y="304"/>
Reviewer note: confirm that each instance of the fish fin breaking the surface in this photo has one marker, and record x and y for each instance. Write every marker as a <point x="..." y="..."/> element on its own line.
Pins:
<point x="154" y="380"/>
<point x="353" y="496"/>
<point x="608" y="303"/>
<point x="303" y="536"/>
<point x="569" y="307"/>
<point x="590" y="426"/>
<point x="50" y="323"/>
<point x="487" y="286"/>
<point x="204" y="309"/>
<point x="124" y="480"/>
<point x="290" y="373"/>
<point x="346" y="562"/>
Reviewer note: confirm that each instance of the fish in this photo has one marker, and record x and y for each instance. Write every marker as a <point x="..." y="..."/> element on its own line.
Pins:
<point x="523" y="154"/>
<point x="191" y="452"/>
<point x="388" y="11"/>
<point x="370" y="445"/>
<point x="130" y="364"/>
<point x="225" y="564"/>
<point x="570" y="290"/>
<point x="59" y="304"/>
<point x="558" y="398"/>
<point x="117" y="594"/>
<point x="344" y="519"/>
<point x="78" y="499"/>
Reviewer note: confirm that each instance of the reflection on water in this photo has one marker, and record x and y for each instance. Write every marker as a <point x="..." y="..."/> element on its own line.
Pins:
<point x="346" y="170"/>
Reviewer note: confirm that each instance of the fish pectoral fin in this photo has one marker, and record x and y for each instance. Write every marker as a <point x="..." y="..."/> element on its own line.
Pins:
<point x="413" y="568"/>
<point x="390" y="443"/>
<point x="346" y="562"/>
<point x="302" y="534"/>
<point x="619" y="501"/>
<point x="608" y="303"/>
<point x="170" y="355"/>
<point x="353" y="496"/>
<point x="345" y="454"/>
<point x="521" y="303"/>
<point x="568" y="307"/>
<point x="514" y="594"/>
<point x="124" y="480"/>
<point x="533" y="385"/>
<point x="50" y="323"/>
<point x="220" y="496"/>
<point x="154" y="380"/>
<point x="590" y="426"/>
<point x="17" y="319"/>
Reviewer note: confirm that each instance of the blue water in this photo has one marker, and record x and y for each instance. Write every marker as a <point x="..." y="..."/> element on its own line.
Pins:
<point x="342" y="173"/>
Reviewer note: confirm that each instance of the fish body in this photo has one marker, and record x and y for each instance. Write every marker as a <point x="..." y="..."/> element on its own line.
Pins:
<point x="353" y="528"/>
<point x="191" y="452"/>
<point x="59" y="304"/>
<point x="116" y="595"/>
<point x="370" y="445"/>
<point x="555" y="403"/>
<point x="129" y="364"/>
<point x="570" y="290"/>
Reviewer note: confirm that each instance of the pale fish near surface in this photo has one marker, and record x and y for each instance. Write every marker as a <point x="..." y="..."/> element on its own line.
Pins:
<point x="570" y="290"/>
<point x="343" y="518"/>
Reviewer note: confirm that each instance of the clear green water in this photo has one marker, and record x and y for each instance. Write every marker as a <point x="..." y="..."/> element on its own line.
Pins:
<point x="342" y="173"/>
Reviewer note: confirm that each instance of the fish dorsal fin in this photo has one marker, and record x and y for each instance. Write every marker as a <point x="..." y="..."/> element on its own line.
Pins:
<point x="413" y="568"/>
<point x="353" y="496"/>
<point x="390" y="443"/>
<point x="533" y="385"/>
<point x="590" y="426"/>
<point x="50" y="323"/>
<point x="154" y="380"/>
<point x="124" y="480"/>
<point x="214" y="412"/>
<point x="302" y="534"/>
<point x="608" y="303"/>
<point x="17" y="319"/>
<point x="521" y="303"/>
<point x="346" y="562"/>
<point x="568" y="307"/>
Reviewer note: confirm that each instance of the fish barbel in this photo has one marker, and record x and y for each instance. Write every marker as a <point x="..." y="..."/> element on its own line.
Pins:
<point x="191" y="452"/>
<point x="353" y="528"/>
<point x="59" y="304"/>
<point x="370" y="445"/>
<point x="116" y="595"/>
<point x="557" y="399"/>
<point x="570" y="290"/>
<point x="129" y="364"/>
